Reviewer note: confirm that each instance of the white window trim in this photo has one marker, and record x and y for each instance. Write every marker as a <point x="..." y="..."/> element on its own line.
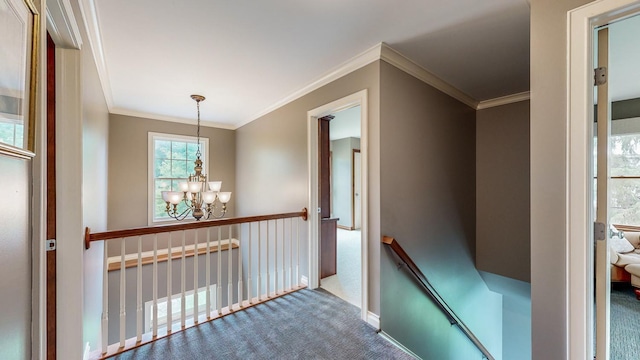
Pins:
<point x="204" y="149"/>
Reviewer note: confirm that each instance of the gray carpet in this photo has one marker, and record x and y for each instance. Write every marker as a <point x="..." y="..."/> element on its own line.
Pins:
<point x="307" y="324"/>
<point x="625" y="323"/>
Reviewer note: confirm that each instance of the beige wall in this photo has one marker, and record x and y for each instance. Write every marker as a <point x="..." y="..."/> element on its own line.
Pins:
<point x="128" y="156"/>
<point x="502" y="190"/>
<point x="272" y="169"/>
<point x="548" y="176"/>
<point x="427" y="147"/>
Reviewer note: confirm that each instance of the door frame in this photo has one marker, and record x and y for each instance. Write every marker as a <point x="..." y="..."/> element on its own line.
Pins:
<point x="358" y="98"/>
<point x="579" y="173"/>
<point x="353" y="188"/>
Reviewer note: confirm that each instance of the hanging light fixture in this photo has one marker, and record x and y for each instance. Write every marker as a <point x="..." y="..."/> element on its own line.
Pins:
<point x="193" y="193"/>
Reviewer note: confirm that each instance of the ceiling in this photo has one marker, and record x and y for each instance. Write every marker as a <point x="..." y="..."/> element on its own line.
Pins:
<point x="245" y="56"/>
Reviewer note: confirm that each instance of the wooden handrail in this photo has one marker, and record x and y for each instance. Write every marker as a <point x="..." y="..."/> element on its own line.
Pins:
<point x="433" y="294"/>
<point x="119" y="234"/>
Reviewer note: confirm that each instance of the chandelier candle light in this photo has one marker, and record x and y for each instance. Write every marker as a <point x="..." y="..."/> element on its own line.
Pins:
<point x="200" y="201"/>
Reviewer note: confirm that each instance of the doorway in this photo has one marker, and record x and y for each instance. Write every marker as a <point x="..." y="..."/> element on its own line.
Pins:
<point x="581" y="24"/>
<point x="344" y="140"/>
<point x="348" y="102"/>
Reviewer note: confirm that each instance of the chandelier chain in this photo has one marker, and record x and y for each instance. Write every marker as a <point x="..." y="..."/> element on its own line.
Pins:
<point x="198" y="131"/>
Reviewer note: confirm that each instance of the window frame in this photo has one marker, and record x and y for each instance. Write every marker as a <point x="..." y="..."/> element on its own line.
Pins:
<point x="151" y="156"/>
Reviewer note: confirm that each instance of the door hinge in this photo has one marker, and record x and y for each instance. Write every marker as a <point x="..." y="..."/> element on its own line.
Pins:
<point x="600" y="76"/>
<point x="51" y="244"/>
<point x="599" y="231"/>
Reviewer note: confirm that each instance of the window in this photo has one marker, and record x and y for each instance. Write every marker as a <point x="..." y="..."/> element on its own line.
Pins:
<point x="11" y="131"/>
<point x="171" y="160"/>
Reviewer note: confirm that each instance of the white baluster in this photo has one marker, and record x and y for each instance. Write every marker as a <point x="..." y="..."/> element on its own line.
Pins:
<point x="268" y="270"/>
<point x="249" y="273"/>
<point x="123" y="280"/>
<point x="169" y="284"/>
<point x="105" y="299"/>
<point x="284" y="240"/>
<point x="290" y="253"/>
<point x="298" y="249"/>
<point x="154" y="317"/>
<point x="240" y="271"/>
<point x="230" y="274"/>
<point x="183" y="299"/>
<point x="219" y="291"/>
<point x="259" y="279"/>
<point x="208" y="274"/>
<point x="139" y="294"/>
<point x="195" y="278"/>
<point x="275" y="257"/>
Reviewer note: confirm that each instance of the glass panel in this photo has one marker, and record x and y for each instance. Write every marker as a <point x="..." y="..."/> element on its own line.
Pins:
<point x="163" y="149"/>
<point x="7" y="133"/>
<point x="625" y="201"/>
<point x="19" y="135"/>
<point x="625" y="155"/>
<point x="162" y="185"/>
<point x="179" y="169"/>
<point x="178" y="150"/>
<point x="192" y="148"/>
<point x="162" y="168"/>
<point x="160" y="209"/>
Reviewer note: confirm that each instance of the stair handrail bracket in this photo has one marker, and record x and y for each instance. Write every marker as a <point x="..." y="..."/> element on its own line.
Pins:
<point x="453" y="318"/>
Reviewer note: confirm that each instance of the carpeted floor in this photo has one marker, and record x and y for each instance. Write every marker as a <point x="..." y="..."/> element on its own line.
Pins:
<point x="307" y="324"/>
<point x="624" y="323"/>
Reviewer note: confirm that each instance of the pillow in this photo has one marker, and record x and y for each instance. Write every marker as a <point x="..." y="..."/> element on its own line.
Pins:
<point x="620" y="245"/>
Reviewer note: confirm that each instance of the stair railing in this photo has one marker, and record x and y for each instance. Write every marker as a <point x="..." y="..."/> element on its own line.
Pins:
<point x="270" y="244"/>
<point x="433" y="294"/>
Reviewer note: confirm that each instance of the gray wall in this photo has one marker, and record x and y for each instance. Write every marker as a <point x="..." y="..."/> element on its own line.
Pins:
<point x="341" y="179"/>
<point x="428" y="204"/>
<point x="128" y="138"/>
<point x="548" y="176"/>
<point x="502" y="190"/>
<point x="15" y="259"/>
<point x="273" y="149"/>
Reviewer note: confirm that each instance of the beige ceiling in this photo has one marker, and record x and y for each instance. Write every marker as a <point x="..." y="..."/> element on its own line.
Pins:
<point x="246" y="56"/>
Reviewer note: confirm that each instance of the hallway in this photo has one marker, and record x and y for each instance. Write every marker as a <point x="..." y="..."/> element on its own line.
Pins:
<point x="347" y="283"/>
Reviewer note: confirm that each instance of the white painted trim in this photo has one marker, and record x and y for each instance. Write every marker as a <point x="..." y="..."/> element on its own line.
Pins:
<point x="373" y="320"/>
<point x="359" y="98"/>
<point x="125" y="112"/>
<point x="402" y="62"/>
<point x="504" y="100"/>
<point x="62" y="24"/>
<point x="361" y="60"/>
<point x="304" y="280"/>
<point x="579" y="236"/>
<point x="92" y="27"/>
<point x="87" y="351"/>
<point x="398" y="344"/>
<point x="69" y="228"/>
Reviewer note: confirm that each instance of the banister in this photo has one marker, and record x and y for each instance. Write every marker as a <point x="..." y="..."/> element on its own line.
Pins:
<point x="118" y="234"/>
<point x="431" y="291"/>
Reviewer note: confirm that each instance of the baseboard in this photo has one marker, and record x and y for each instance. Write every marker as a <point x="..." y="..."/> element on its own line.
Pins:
<point x="373" y="320"/>
<point x="398" y="345"/>
<point x="344" y="227"/>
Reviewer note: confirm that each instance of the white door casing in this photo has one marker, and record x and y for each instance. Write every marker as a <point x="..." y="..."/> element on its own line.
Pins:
<point x="359" y="98"/>
<point x="579" y="173"/>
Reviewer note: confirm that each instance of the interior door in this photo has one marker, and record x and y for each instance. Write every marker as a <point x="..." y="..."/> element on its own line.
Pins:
<point x="603" y="131"/>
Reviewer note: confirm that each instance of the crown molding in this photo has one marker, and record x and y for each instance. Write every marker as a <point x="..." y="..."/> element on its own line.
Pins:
<point x="402" y="62"/>
<point x="504" y="100"/>
<point x="62" y="24"/>
<point x="361" y="60"/>
<point x="144" y="115"/>
<point x="88" y="12"/>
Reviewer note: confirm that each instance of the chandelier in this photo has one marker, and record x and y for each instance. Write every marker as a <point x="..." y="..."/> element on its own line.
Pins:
<point x="200" y="201"/>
